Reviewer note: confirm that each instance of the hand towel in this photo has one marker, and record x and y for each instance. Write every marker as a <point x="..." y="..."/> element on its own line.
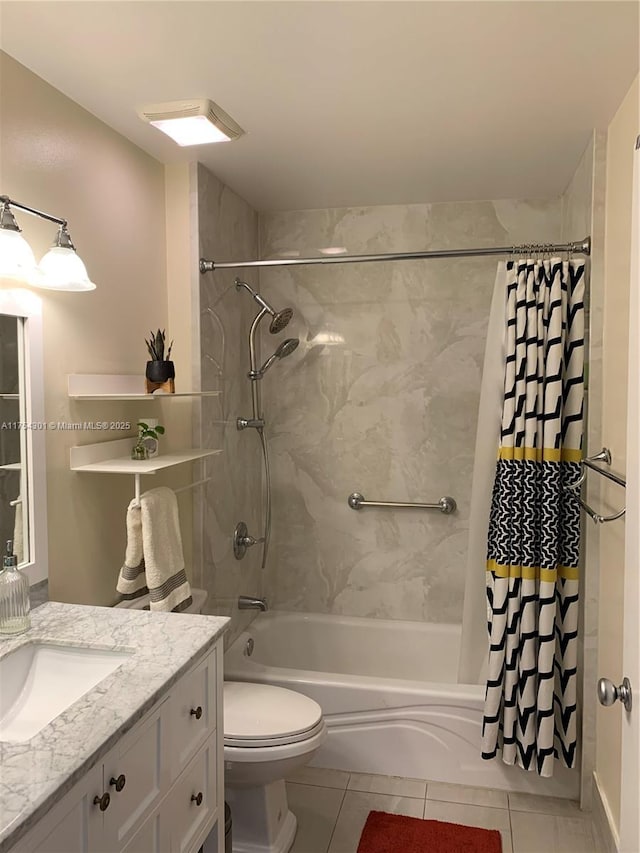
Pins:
<point x="154" y="558"/>
<point x="18" y="530"/>
<point x="132" y="582"/>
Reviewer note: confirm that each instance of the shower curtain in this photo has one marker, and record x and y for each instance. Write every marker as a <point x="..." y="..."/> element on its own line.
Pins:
<point x="472" y="664"/>
<point x="534" y="525"/>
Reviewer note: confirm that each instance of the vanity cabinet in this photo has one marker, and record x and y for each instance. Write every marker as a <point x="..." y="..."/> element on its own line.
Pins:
<point x="159" y="789"/>
<point x="73" y="825"/>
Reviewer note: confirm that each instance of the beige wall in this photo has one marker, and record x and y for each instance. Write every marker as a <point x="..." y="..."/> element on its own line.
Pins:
<point x="57" y="157"/>
<point x="620" y="144"/>
<point x="583" y="214"/>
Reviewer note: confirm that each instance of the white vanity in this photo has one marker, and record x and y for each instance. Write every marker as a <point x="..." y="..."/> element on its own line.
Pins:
<point x="136" y="764"/>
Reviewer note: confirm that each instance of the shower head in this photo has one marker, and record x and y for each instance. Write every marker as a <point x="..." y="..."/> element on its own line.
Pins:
<point x="279" y="318"/>
<point x="285" y="349"/>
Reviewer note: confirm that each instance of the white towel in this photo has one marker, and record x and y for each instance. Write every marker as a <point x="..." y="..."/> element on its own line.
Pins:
<point x="18" y="530"/>
<point x="153" y="560"/>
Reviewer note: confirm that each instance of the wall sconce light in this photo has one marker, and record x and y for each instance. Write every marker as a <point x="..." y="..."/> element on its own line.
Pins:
<point x="60" y="269"/>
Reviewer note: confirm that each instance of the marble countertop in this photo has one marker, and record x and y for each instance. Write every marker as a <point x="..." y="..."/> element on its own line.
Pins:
<point x="36" y="774"/>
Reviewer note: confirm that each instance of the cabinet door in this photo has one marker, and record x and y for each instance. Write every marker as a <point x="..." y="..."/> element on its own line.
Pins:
<point x="192" y="803"/>
<point x="152" y="837"/>
<point x="193" y="712"/>
<point x="136" y="779"/>
<point x="74" y="825"/>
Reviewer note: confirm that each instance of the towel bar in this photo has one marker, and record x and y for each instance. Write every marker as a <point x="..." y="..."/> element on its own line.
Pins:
<point x="136" y="496"/>
<point x="588" y="462"/>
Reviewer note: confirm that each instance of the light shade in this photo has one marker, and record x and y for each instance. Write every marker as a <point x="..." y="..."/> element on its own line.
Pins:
<point x="191" y="130"/>
<point x="16" y="257"/>
<point x="62" y="269"/>
<point x="195" y="122"/>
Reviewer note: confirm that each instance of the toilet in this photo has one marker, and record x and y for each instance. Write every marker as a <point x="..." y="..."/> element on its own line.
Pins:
<point x="268" y="733"/>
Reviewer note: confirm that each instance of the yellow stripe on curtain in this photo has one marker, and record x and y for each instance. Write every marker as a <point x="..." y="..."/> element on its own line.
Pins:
<point x="540" y="454"/>
<point x="533" y="573"/>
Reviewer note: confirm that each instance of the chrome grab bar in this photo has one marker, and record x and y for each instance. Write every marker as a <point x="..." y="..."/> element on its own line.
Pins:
<point x="446" y="504"/>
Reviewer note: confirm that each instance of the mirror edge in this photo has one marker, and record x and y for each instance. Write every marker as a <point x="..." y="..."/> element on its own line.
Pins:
<point x="25" y="304"/>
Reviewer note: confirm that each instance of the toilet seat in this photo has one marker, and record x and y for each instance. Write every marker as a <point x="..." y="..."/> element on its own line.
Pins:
<point x="253" y="743"/>
<point x="261" y="715"/>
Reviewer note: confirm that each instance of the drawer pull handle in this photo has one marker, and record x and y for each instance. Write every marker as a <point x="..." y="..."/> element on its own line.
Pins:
<point x="197" y="714"/>
<point x="102" y="801"/>
<point x="119" y="783"/>
<point x="197" y="798"/>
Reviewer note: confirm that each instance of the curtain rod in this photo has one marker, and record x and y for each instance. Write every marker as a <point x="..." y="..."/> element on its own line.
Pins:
<point x="583" y="247"/>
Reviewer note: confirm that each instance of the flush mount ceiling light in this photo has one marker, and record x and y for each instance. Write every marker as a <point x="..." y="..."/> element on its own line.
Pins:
<point x="193" y="122"/>
<point x="59" y="269"/>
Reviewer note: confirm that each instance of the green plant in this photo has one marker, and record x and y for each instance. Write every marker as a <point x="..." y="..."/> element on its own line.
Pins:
<point x="145" y="431"/>
<point x="140" y="450"/>
<point x="155" y="345"/>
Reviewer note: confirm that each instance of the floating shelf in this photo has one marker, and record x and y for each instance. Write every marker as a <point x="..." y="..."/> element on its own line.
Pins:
<point x="98" y="386"/>
<point x="113" y="457"/>
<point x="12" y="466"/>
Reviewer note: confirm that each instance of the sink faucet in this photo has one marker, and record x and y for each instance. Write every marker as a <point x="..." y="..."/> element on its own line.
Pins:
<point x="248" y="602"/>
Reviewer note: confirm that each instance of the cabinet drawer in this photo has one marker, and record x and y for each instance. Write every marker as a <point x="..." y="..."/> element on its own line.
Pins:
<point x="192" y="803"/>
<point x="192" y="712"/>
<point x="138" y="766"/>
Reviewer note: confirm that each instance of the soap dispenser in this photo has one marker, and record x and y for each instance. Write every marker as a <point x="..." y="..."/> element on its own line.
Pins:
<point x="14" y="596"/>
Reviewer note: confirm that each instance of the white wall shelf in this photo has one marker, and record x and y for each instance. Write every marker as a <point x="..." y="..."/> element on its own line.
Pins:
<point x="113" y="457"/>
<point x="98" y="386"/>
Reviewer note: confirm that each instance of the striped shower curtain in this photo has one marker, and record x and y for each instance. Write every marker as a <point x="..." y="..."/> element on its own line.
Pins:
<point x="534" y="527"/>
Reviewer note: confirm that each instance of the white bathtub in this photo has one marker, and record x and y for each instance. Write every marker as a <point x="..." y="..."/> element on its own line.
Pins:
<point x="389" y="696"/>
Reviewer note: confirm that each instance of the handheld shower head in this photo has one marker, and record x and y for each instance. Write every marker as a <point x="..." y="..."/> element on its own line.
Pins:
<point x="285" y="349"/>
<point x="279" y="318"/>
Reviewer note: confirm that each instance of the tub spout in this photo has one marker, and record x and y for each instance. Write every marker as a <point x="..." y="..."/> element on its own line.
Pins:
<point x="248" y="602"/>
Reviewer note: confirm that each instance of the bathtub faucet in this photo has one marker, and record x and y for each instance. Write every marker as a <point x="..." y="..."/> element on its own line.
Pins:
<point x="248" y="602"/>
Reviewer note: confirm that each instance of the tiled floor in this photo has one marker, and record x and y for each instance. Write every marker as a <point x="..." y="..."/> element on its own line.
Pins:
<point x="332" y="807"/>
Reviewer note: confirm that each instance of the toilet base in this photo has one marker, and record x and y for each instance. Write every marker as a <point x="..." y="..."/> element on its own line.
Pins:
<point x="262" y="822"/>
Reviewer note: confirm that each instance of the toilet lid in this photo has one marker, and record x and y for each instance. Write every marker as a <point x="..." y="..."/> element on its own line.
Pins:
<point x="260" y="712"/>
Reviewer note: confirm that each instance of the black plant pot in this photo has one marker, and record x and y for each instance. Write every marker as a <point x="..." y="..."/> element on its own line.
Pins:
<point x="160" y="371"/>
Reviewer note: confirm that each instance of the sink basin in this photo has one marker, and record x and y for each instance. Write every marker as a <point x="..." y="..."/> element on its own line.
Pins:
<point x="41" y="680"/>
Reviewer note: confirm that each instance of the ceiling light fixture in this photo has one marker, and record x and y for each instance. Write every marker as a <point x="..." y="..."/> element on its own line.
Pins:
<point x="60" y="269"/>
<point x="195" y="122"/>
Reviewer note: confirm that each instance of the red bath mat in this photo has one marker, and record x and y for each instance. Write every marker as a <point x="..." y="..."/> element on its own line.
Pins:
<point x="396" y="833"/>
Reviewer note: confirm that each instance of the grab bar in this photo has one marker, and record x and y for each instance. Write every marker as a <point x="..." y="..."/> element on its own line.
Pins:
<point x="446" y="504"/>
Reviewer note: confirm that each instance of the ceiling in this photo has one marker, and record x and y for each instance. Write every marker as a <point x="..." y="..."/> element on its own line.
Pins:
<point x="350" y="103"/>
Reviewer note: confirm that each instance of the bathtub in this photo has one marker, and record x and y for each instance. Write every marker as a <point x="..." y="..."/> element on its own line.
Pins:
<point x="389" y="696"/>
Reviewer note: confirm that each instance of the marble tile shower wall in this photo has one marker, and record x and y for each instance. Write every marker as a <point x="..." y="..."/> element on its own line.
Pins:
<point x="381" y="397"/>
<point x="228" y="229"/>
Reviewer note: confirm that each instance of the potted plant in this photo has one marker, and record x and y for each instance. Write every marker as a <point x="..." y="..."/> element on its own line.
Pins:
<point x="140" y="449"/>
<point x="159" y="369"/>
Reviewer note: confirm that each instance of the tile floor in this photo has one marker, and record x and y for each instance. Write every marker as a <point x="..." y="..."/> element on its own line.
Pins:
<point x="332" y="806"/>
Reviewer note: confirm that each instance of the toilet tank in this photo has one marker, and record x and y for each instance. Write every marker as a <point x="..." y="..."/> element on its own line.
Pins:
<point x="199" y="597"/>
